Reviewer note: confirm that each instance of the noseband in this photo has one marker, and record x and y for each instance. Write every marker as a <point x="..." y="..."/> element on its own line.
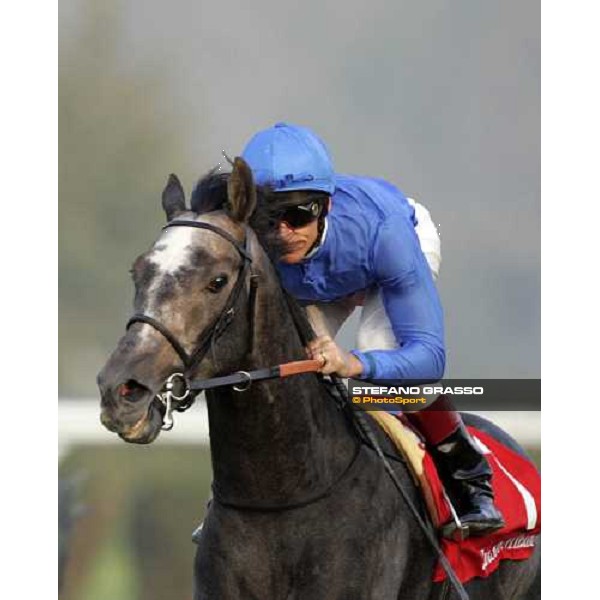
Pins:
<point x="210" y="335"/>
<point x="190" y="390"/>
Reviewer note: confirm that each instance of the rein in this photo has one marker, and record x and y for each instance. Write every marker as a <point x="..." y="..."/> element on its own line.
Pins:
<point x="180" y="393"/>
<point x="426" y="527"/>
<point x="184" y="392"/>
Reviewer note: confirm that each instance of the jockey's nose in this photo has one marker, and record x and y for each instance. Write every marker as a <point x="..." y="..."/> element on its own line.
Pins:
<point x="285" y="230"/>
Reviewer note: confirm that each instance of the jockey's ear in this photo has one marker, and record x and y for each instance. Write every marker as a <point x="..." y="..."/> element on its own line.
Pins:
<point x="173" y="198"/>
<point x="241" y="193"/>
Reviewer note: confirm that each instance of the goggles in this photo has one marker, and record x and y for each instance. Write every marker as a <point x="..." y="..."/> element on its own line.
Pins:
<point x="301" y="214"/>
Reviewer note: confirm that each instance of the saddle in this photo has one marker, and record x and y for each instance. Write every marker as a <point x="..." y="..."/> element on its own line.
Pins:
<point x="517" y="490"/>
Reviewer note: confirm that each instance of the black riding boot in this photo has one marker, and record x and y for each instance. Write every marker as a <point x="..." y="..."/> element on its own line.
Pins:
<point x="466" y="475"/>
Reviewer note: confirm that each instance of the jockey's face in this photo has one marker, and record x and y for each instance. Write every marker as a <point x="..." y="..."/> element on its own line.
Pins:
<point x="299" y="239"/>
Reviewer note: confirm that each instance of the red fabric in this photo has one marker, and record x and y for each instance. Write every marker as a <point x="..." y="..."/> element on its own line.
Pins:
<point x="436" y="422"/>
<point x="481" y="556"/>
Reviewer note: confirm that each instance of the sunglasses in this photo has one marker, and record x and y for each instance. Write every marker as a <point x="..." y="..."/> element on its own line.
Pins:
<point x="301" y="214"/>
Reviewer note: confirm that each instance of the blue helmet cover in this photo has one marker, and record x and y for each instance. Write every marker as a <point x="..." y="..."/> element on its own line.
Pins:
<point x="289" y="157"/>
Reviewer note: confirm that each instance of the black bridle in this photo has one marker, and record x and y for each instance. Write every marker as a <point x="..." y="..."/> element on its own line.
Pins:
<point x="214" y="330"/>
<point x="191" y="389"/>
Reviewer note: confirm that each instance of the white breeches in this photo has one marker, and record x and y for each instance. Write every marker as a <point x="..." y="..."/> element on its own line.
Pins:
<point x="375" y="330"/>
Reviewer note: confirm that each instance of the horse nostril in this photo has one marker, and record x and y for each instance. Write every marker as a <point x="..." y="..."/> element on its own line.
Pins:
<point x="131" y="390"/>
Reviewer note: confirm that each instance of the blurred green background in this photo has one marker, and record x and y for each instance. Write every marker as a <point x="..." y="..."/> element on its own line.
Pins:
<point x="441" y="98"/>
<point x="118" y="140"/>
<point x="140" y="506"/>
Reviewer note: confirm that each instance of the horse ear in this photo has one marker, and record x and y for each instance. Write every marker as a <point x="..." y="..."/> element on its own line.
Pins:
<point x="173" y="198"/>
<point x="241" y="193"/>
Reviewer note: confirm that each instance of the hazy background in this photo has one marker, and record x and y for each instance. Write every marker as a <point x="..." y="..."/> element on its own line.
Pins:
<point x="440" y="97"/>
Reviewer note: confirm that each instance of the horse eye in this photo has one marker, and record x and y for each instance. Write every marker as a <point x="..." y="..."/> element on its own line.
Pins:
<point x="217" y="283"/>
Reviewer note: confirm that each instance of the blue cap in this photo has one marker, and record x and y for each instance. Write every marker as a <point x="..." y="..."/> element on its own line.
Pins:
<point x="288" y="157"/>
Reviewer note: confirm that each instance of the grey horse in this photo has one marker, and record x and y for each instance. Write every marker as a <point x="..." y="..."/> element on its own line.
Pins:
<point x="302" y="508"/>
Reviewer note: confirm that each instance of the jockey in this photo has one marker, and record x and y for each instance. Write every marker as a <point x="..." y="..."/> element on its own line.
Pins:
<point x="354" y="240"/>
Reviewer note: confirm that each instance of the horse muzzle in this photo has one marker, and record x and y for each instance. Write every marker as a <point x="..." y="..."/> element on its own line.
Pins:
<point x="130" y="410"/>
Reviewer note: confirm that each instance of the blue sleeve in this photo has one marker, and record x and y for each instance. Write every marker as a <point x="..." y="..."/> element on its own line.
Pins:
<point x="412" y="304"/>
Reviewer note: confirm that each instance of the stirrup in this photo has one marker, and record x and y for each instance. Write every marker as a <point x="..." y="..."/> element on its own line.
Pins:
<point x="458" y="532"/>
<point x="454" y="529"/>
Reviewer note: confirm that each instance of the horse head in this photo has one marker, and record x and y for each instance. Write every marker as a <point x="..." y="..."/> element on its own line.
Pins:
<point x="188" y="285"/>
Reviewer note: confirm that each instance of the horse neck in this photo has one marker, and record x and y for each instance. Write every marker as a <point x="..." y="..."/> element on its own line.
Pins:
<point x="283" y="438"/>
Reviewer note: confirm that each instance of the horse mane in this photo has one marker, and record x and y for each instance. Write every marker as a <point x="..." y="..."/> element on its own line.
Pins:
<point x="210" y="194"/>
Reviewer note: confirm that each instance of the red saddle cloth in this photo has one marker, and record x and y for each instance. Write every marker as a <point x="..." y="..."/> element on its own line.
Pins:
<point x="517" y="488"/>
